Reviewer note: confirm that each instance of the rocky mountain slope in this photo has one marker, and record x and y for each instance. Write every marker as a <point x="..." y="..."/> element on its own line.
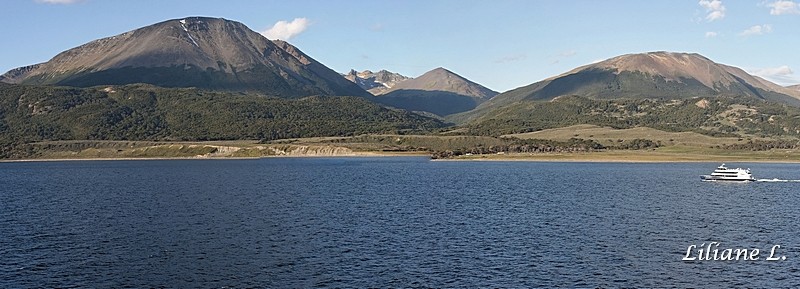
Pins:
<point x="211" y="53"/>
<point x="375" y="82"/>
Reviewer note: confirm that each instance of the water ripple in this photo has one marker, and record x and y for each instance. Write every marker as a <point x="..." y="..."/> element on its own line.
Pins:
<point x="387" y="222"/>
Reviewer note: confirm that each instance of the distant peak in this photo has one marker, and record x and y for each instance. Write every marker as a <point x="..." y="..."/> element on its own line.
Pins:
<point x="375" y="82"/>
<point x="441" y="72"/>
<point x="441" y="79"/>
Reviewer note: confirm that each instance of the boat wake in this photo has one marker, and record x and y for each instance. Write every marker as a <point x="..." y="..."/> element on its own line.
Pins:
<point x="777" y="181"/>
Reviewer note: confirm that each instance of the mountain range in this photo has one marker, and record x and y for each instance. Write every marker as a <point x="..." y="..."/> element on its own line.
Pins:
<point x="221" y="63"/>
<point x="209" y="53"/>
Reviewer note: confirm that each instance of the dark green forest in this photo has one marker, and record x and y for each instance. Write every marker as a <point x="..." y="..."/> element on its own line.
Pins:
<point x="147" y="113"/>
<point x="143" y="112"/>
<point x="717" y="116"/>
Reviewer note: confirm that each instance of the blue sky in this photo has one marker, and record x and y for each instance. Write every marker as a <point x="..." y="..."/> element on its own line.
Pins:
<point x="501" y="44"/>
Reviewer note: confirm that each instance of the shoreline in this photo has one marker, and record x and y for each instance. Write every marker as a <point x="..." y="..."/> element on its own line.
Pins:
<point x="635" y="157"/>
<point x="597" y="157"/>
<point x="619" y="160"/>
<point x="354" y="155"/>
<point x="588" y="160"/>
<point x="384" y="146"/>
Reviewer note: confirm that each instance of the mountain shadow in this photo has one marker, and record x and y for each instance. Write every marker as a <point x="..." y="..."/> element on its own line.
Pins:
<point x="441" y="103"/>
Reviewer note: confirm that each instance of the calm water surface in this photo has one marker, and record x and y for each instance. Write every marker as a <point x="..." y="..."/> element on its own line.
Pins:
<point x="389" y="222"/>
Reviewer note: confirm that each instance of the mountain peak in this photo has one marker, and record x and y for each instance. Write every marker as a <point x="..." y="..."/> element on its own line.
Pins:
<point x="441" y="79"/>
<point x="670" y="65"/>
<point x="439" y="91"/>
<point x="659" y="74"/>
<point x="683" y="68"/>
<point x="204" y="52"/>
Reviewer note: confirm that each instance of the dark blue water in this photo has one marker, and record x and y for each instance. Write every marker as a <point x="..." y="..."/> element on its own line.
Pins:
<point x="389" y="222"/>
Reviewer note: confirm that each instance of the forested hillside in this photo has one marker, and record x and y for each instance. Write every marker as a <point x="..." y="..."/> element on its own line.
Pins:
<point x="142" y="112"/>
<point x="715" y="116"/>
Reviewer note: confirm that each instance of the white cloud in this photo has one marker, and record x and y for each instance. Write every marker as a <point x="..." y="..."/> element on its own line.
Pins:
<point x="58" y="1"/>
<point x="782" y="75"/>
<point x="757" y="30"/>
<point x="715" y="9"/>
<point x="782" y="7"/>
<point x="711" y="34"/>
<point x="286" y="30"/>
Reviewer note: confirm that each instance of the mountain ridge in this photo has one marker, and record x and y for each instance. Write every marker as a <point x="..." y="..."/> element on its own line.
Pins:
<point x="375" y="83"/>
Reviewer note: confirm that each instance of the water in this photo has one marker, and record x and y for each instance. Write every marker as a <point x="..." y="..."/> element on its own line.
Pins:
<point x="389" y="222"/>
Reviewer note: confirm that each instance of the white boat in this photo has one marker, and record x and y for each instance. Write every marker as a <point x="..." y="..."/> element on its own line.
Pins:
<point x="723" y="173"/>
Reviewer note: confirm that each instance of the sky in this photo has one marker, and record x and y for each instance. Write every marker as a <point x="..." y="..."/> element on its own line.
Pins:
<point x="501" y="44"/>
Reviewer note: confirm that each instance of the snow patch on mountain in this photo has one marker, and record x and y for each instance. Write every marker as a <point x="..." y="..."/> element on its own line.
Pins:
<point x="376" y="83"/>
<point x="183" y="25"/>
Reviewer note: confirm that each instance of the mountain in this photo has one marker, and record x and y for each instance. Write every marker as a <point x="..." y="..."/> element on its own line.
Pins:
<point x="438" y="91"/>
<point x="794" y="87"/>
<point x="664" y="75"/>
<point x="441" y="79"/>
<point x="209" y="53"/>
<point x="375" y="82"/>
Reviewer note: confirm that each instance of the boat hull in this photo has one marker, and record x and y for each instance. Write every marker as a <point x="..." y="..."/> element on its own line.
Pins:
<point x="708" y="178"/>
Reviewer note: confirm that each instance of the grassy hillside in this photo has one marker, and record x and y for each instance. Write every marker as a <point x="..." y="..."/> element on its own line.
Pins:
<point x="139" y="112"/>
<point x="610" y="136"/>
